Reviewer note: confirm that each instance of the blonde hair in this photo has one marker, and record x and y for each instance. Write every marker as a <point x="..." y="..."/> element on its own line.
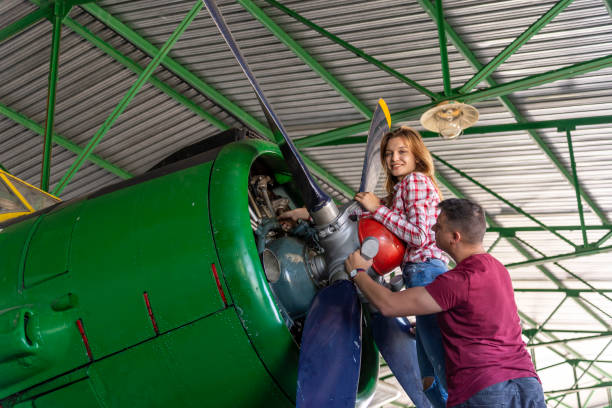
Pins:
<point x="423" y="161"/>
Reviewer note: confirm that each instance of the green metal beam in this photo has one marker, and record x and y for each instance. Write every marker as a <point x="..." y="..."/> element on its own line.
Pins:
<point x="608" y="4"/>
<point x="492" y="92"/>
<point x="443" y="51"/>
<point x="25" y="22"/>
<point x="189" y="77"/>
<point x="58" y="15"/>
<point x="363" y="126"/>
<point x="142" y="79"/>
<point x="267" y="22"/>
<point x="537" y="80"/>
<point x="604" y="239"/>
<point x="547" y="259"/>
<point x="328" y="177"/>
<point x="475" y="63"/>
<point x="569" y="349"/>
<point x="570" y="340"/>
<point x="358" y="52"/>
<point x="3" y="168"/>
<point x="499" y="197"/>
<point x="510" y="230"/>
<point x="568" y="134"/>
<point x="62" y="141"/>
<point x="514" y="45"/>
<point x="541" y="326"/>
<point x="134" y="67"/>
<point x="571" y="292"/>
<point x="180" y="71"/>
<point x="560" y="124"/>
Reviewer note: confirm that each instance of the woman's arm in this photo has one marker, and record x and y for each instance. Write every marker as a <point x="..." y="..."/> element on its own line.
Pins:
<point x="413" y="207"/>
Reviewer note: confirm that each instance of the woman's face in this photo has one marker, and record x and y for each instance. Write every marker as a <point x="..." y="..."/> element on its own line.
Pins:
<point x="399" y="158"/>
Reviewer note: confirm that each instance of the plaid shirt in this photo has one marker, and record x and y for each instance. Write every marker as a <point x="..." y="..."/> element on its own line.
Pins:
<point x="412" y="214"/>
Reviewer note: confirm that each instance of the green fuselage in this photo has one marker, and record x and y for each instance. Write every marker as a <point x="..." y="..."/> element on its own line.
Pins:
<point x="147" y="293"/>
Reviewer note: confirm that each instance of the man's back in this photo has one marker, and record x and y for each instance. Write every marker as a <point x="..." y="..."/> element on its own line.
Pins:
<point x="480" y="327"/>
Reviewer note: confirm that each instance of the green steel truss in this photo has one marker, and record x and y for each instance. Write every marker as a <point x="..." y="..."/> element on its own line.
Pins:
<point x="540" y="336"/>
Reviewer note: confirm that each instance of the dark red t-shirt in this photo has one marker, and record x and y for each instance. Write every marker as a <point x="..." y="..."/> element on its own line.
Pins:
<point x="480" y="327"/>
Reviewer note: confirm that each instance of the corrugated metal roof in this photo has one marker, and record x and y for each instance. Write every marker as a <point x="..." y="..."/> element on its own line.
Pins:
<point x="398" y="33"/>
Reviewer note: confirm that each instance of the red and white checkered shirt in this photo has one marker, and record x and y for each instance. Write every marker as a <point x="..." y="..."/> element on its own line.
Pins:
<point x="411" y="217"/>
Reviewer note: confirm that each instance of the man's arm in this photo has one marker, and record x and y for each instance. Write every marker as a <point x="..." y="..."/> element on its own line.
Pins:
<point x="412" y="301"/>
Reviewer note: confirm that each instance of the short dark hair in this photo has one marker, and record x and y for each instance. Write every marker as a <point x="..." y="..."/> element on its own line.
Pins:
<point x="467" y="216"/>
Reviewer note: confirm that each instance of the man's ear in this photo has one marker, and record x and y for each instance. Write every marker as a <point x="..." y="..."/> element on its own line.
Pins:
<point x="456" y="237"/>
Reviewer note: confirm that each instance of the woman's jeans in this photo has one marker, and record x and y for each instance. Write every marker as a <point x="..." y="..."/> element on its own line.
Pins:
<point x="523" y="392"/>
<point x="430" y="351"/>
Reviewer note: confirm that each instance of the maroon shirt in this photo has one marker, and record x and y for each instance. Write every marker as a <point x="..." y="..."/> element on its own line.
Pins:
<point x="480" y="327"/>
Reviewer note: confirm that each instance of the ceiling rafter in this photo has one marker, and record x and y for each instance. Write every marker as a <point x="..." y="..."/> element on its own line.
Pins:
<point x="142" y="79"/>
<point x="471" y="58"/>
<point x="298" y="50"/>
<point x="358" y="52"/>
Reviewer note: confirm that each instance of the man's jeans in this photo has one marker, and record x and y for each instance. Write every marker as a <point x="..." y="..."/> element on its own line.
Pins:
<point x="517" y="393"/>
<point x="430" y="350"/>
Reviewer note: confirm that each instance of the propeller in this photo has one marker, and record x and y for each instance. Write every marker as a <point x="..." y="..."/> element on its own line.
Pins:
<point x="330" y="354"/>
<point x="381" y="124"/>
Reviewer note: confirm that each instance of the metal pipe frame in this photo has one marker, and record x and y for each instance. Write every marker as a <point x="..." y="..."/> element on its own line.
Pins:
<point x="58" y="15"/>
<point x="443" y="51"/>
<point x="514" y="46"/>
<point x="25" y="22"/>
<point x="63" y="142"/>
<point x="568" y="134"/>
<point x="142" y="79"/>
<point x="358" y="52"/>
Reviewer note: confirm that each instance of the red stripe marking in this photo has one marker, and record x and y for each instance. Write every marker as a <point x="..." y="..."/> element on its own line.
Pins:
<point x="219" y="288"/>
<point x="146" y="298"/>
<point x="84" y="337"/>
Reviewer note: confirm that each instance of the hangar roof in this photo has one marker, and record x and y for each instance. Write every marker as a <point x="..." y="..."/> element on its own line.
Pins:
<point x="540" y="74"/>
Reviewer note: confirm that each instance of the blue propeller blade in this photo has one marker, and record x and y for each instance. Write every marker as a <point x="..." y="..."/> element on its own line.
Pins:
<point x="314" y="197"/>
<point x="398" y="348"/>
<point x="330" y="354"/>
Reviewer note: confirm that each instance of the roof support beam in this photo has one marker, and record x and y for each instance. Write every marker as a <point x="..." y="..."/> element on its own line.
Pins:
<point x="499" y="197"/>
<point x="134" y="67"/>
<point x="443" y="51"/>
<point x="180" y="71"/>
<point x="58" y="14"/>
<point x="305" y="56"/>
<point x="570" y="292"/>
<point x="514" y="46"/>
<point x="541" y="326"/>
<point x="605" y="384"/>
<point x="547" y="259"/>
<point x="511" y="230"/>
<point x="192" y="79"/>
<point x="62" y="141"/>
<point x="576" y="186"/>
<point x="537" y="80"/>
<point x="25" y="22"/>
<point x="561" y="125"/>
<point x="550" y="343"/>
<point x="473" y="61"/>
<point x="358" y="52"/>
<point x="492" y="92"/>
<point x="142" y="79"/>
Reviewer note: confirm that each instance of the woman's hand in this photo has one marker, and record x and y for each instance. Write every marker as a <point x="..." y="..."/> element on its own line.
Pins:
<point x="368" y="200"/>
<point x="288" y="219"/>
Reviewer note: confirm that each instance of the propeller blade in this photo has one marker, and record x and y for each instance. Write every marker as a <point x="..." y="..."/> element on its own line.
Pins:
<point x="330" y="354"/>
<point x="314" y="197"/>
<point x="381" y="123"/>
<point x="398" y="348"/>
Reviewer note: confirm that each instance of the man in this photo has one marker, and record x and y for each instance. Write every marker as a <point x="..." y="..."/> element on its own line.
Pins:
<point x="486" y="360"/>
